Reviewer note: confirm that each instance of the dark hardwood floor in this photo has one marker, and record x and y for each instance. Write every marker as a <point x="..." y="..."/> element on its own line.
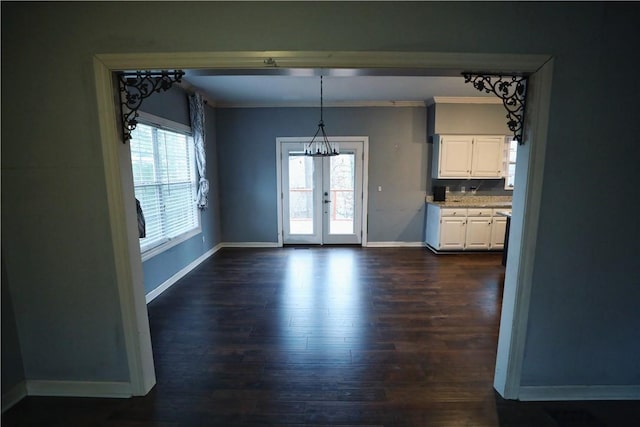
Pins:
<point x="326" y="336"/>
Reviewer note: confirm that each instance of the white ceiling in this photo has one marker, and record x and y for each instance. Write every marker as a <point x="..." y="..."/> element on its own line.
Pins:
<point x="339" y="87"/>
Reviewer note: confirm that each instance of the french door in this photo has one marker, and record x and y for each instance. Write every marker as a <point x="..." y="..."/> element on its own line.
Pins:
<point x="322" y="197"/>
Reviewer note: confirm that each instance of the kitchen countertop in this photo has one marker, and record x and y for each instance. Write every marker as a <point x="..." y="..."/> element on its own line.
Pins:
<point x="473" y="202"/>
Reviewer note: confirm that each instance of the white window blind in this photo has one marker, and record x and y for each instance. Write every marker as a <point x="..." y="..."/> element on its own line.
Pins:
<point x="164" y="177"/>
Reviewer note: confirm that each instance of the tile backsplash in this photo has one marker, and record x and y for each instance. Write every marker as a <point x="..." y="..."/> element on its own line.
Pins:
<point x="485" y="187"/>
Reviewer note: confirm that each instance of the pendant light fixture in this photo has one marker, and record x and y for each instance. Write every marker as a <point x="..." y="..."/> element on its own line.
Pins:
<point x="319" y="146"/>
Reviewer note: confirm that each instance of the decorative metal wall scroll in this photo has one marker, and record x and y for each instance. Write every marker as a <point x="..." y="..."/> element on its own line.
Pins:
<point x="135" y="87"/>
<point x="511" y="89"/>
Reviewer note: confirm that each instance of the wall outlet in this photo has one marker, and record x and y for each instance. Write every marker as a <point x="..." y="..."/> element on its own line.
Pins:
<point x="463" y="189"/>
<point x="446" y="189"/>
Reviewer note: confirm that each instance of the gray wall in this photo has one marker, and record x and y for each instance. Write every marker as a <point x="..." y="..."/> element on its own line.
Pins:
<point x="173" y="105"/>
<point x="584" y="321"/>
<point x="397" y="162"/>
<point x="583" y="324"/>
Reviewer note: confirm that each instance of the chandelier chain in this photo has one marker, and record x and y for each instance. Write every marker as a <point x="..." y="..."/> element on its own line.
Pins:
<point x="320" y="146"/>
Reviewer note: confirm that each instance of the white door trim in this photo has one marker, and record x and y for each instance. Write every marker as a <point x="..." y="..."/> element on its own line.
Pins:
<point x="365" y="178"/>
<point x="121" y="207"/>
<point x="126" y="248"/>
<point x="523" y="232"/>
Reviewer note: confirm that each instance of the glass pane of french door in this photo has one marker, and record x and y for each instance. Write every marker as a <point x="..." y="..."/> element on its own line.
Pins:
<point x="301" y="196"/>
<point x="322" y="196"/>
<point x="301" y="206"/>
<point x="342" y="182"/>
<point x="342" y="188"/>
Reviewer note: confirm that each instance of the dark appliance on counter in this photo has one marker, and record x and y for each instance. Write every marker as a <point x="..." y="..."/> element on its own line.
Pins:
<point x="439" y="193"/>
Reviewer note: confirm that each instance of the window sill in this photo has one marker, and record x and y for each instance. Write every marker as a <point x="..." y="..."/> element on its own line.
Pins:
<point x="157" y="250"/>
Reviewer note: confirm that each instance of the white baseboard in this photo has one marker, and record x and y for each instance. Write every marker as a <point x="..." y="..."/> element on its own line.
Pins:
<point x="395" y="244"/>
<point x="180" y="274"/>
<point x="584" y="392"/>
<point x="250" y="245"/>
<point x="13" y="396"/>
<point x="78" y="388"/>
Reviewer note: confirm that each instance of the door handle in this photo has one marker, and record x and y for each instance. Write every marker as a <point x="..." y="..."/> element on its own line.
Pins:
<point x="327" y="201"/>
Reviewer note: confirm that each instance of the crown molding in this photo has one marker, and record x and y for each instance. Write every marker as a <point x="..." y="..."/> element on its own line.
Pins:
<point x="463" y="100"/>
<point x="191" y="89"/>
<point x="339" y="104"/>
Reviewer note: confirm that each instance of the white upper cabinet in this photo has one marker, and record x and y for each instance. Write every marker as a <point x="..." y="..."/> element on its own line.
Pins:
<point x="467" y="156"/>
<point x="454" y="156"/>
<point x="487" y="157"/>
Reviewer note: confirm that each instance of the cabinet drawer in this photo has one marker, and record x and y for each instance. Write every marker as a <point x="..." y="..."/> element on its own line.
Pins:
<point x="479" y="212"/>
<point x="453" y="212"/>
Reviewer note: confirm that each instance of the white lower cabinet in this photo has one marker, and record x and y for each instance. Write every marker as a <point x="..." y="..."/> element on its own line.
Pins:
<point x="498" y="230"/>
<point x="452" y="233"/>
<point x="446" y="228"/>
<point x="458" y="229"/>
<point x="478" y="235"/>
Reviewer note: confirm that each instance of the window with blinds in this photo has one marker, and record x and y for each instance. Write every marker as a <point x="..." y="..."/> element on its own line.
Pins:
<point x="511" y="150"/>
<point x="164" y="177"/>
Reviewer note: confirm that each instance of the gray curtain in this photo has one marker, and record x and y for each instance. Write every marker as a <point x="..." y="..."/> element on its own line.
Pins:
<point x="196" y="109"/>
